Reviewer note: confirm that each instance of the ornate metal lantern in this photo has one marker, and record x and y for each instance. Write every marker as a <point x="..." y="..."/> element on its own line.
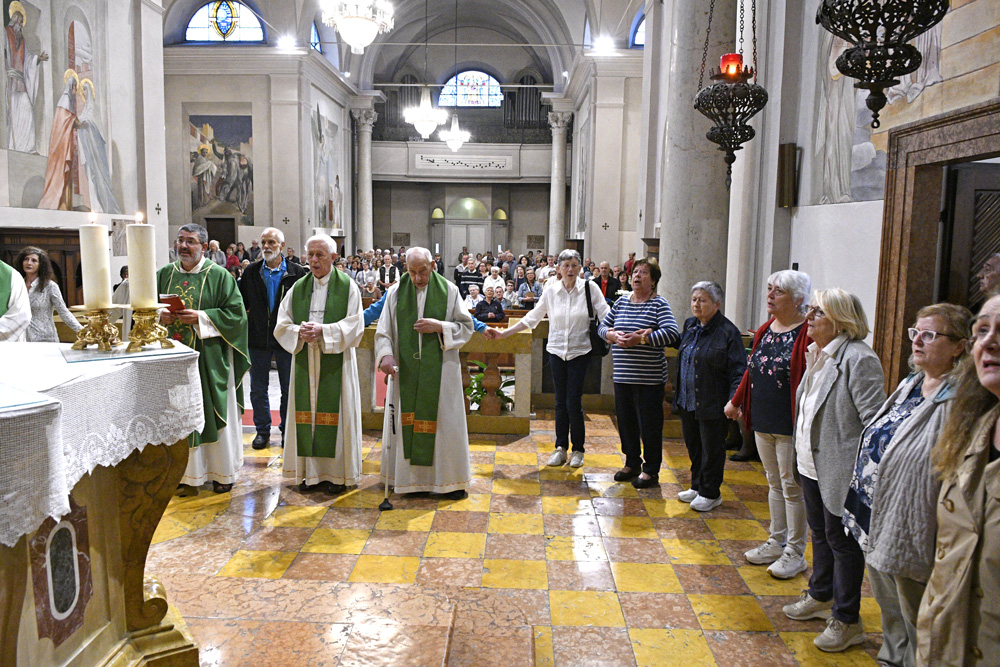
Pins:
<point x="732" y="101"/>
<point x="879" y="31"/>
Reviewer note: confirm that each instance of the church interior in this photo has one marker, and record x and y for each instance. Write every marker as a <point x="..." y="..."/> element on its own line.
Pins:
<point x="511" y="127"/>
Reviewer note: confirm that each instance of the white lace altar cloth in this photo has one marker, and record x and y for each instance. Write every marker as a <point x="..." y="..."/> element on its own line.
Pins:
<point x="96" y="413"/>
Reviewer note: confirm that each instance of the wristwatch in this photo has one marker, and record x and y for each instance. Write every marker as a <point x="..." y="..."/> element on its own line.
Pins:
<point x="643" y="339"/>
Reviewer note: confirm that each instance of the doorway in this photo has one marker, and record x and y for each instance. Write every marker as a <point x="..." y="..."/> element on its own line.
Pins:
<point x="221" y="229"/>
<point x="971" y="229"/>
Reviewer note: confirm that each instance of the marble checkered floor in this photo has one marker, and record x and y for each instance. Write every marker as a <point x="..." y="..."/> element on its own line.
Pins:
<point x="538" y="566"/>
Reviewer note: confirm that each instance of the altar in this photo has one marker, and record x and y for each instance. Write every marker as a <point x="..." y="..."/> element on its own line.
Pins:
<point x="93" y="444"/>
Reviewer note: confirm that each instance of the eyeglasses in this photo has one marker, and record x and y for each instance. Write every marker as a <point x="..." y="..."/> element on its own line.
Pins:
<point x="815" y="311"/>
<point x="927" y="336"/>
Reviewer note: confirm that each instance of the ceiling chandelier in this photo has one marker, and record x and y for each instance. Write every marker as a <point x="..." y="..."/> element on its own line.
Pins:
<point x="733" y="100"/>
<point x="455" y="137"/>
<point x="359" y="22"/>
<point x="426" y="117"/>
<point x="879" y="31"/>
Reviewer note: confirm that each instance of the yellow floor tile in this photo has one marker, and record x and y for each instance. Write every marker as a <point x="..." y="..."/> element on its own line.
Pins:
<point x="728" y="494"/>
<point x="730" y="612"/>
<point x="559" y="474"/>
<point x="614" y="461"/>
<point x="356" y="499"/>
<point x="646" y="578"/>
<point x="385" y="570"/>
<point x="761" y="583"/>
<point x="760" y="509"/>
<point x="521" y="487"/>
<point x="627" y="526"/>
<point x="417" y="520"/>
<point x="612" y="490"/>
<point x="502" y="458"/>
<point x="274" y="449"/>
<point x="566" y="505"/>
<point x="258" y="564"/>
<point x="205" y="500"/>
<point x="503" y="573"/>
<point x="336" y="541"/>
<point x="474" y="502"/>
<point x="170" y="528"/>
<point x="744" y="477"/>
<point x="295" y="516"/>
<point x="677" y="462"/>
<point x="482" y="446"/>
<point x="667" y="476"/>
<point x="566" y="547"/>
<point x="544" y="653"/>
<point x="455" y="545"/>
<point x="668" y="508"/>
<point x="653" y="648"/>
<point x="801" y="646"/>
<point x="516" y="524"/>
<point x="484" y="470"/>
<point x="695" y="552"/>
<point x="871" y="615"/>
<point x="736" y="529"/>
<point x="371" y="467"/>
<point x="586" y="608"/>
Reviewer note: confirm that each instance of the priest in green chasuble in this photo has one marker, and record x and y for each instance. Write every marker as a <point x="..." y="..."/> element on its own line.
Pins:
<point x="213" y="322"/>
<point x="320" y="322"/>
<point x="423" y="326"/>
<point x="15" y="310"/>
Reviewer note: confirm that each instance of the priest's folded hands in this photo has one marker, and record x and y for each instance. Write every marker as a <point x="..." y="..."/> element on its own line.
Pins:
<point x="310" y="332"/>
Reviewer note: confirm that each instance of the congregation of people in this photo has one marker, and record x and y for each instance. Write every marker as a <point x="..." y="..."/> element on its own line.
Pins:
<point x="899" y="487"/>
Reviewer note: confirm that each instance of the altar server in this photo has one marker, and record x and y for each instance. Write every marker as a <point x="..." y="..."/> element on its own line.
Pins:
<point x="320" y="322"/>
<point x="15" y="309"/>
<point x="213" y="322"/>
<point x="422" y="329"/>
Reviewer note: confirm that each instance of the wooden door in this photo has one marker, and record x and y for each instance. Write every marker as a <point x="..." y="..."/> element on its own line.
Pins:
<point x="971" y="230"/>
<point x="63" y="248"/>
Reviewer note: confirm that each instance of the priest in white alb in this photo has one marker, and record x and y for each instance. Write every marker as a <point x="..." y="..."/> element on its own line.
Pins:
<point x="422" y="328"/>
<point x="320" y="322"/>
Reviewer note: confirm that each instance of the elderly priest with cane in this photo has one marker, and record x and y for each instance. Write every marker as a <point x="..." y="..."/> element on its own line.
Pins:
<point x="422" y="329"/>
<point x="213" y="322"/>
<point x="320" y="322"/>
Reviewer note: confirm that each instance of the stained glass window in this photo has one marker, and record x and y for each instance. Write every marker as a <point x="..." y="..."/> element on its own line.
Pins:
<point x="314" y="40"/>
<point x="224" y="21"/>
<point x="471" y="88"/>
<point x="639" y="34"/>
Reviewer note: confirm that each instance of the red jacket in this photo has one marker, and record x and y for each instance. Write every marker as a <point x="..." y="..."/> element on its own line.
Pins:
<point x="741" y="399"/>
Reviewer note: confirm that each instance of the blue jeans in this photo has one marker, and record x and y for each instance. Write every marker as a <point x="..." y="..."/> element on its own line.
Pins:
<point x="260" y="375"/>
<point x="567" y="376"/>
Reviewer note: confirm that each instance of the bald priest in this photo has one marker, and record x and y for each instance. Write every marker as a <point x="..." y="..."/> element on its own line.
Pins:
<point x="422" y="328"/>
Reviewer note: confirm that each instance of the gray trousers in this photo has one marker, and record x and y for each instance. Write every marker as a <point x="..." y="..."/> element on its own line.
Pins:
<point x="899" y="600"/>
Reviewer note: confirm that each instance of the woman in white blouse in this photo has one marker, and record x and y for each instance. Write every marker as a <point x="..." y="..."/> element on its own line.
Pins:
<point x="44" y="295"/>
<point x="565" y="303"/>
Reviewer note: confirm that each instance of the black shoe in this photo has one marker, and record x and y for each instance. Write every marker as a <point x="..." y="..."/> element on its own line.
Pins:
<point x="641" y="483"/>
<point x="306" y="488"/>
<point x="626" y="474"/>
<point x="739" y="457"/>
<point x="335" y="489"/>
<point x="456" y="495"/>
<point x="260" y="442"/>
<point x="221" y="488"/>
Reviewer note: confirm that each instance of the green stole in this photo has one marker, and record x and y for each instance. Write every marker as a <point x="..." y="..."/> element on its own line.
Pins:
<point x="419" y="368"/>
<point x="319" y="439"/>
<point x="6" y="273"/>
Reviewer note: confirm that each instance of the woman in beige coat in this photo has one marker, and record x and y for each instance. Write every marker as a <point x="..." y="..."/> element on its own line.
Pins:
<point x="959" y="619"/>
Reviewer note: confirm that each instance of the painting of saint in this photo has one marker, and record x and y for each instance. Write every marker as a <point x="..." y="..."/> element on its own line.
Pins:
<point x="329" y="198"/>
<point x="58" y="192"/>
<point x="23" y="73"/>
<point x="94" y="154"/>
<point x="835" y="124"/>
<point x="203" y="171"/>
<point x="221" y="167"/>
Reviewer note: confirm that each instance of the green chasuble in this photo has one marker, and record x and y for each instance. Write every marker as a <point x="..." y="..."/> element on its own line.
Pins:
<point x="214" y="291"/>
<point x="419" y="368"/>
<point x="6" y="272"/>
<point x="319" y="438"/>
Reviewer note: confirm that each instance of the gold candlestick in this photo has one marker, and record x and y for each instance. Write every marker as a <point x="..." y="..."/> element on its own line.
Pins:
<point x="98" y="331"/>
<point x="147" y="330"/>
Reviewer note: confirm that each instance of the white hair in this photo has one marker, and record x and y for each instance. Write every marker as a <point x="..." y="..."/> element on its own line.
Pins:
<point x="713" y="289"/>
<point x="417" y="251"/>
<point x="280" y="234"/>
<point x="322" y="238"/>
<point x="796" y="283"/>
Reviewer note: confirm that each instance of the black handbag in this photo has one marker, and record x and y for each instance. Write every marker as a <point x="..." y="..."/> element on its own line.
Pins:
<point x="599" y="347"/>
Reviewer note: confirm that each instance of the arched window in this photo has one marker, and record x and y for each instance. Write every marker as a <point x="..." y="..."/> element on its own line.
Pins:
<point x="224" y="21"/>
<point x="638" y="40"/>
<point x="314" y="40"/>
<point x="471" y="88"/>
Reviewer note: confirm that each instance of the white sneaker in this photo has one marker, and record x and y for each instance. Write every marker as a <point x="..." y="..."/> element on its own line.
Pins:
<point x="789" y="565"/>
<point x="687" y="496"/>
<point x="766" y="553"/>
<point x="558" y="457"/>
<point x="576" y="460"/>
<point x="808" y="607"/>
<point x="703" y="504"/>
<point x="839" y="635"/>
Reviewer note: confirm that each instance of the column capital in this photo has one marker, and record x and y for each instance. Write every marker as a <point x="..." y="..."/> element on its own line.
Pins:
<point x="559" y="120"/>
<point x="366" y="118"/>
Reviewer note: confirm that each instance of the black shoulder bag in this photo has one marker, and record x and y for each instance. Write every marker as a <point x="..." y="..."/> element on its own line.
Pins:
<point x="599" y="347"/>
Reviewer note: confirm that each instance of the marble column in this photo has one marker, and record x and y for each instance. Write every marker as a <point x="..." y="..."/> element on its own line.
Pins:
<point x="559" y="122"/>
<point x="366" y="232"/>
<point x="694" y="208"/>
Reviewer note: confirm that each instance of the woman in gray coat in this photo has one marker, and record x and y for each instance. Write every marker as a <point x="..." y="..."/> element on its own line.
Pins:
<point x="840" y="392"/>
<point x="890" y="507"/>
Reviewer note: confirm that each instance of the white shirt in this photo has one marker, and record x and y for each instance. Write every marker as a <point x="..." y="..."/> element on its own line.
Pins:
<point x="15" y="321"/>
<point x="497" y="283"/>
<point x="569" y="324"/>
<point x="543" y="273"/>
<point x="471" y="303"/>
<point x="817" y="366"/>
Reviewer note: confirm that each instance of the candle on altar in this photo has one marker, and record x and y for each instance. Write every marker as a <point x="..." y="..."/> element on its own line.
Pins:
<point x="731" y="64"/>
<point x="95" y="265"/>
<point x="141" y="265"/>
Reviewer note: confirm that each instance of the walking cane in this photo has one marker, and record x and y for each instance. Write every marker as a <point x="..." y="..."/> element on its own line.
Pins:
<point x="388" y="432"/>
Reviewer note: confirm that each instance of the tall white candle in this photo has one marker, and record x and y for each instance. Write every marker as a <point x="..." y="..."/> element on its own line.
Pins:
<point x="141" y="266"/>
<point x="437" y="248"/>
<point x="95" y="260"/>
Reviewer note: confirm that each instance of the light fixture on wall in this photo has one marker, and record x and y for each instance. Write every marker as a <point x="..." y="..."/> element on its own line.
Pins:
<point x="455" y="137"/>
<point x="359" y="22"/>
<point x="426" y="117"/>
<point x="878" y="32"/>
<point x="733" y="100"/>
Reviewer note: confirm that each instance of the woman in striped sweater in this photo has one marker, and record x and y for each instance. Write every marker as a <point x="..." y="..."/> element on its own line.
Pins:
<point x="639" y="326"/>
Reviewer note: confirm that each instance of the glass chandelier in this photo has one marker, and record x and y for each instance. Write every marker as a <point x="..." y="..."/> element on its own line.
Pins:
<point x="359" y="22"/>
<point x="426" y="117"/>
<point x="455" y="138"/>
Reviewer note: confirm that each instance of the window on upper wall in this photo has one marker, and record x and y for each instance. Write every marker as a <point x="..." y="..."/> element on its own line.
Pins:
<point x="224" y="21"/>
<point x="639" y="34"/>
<point x="471" y="88"/>
<point x="314" y="40"/>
